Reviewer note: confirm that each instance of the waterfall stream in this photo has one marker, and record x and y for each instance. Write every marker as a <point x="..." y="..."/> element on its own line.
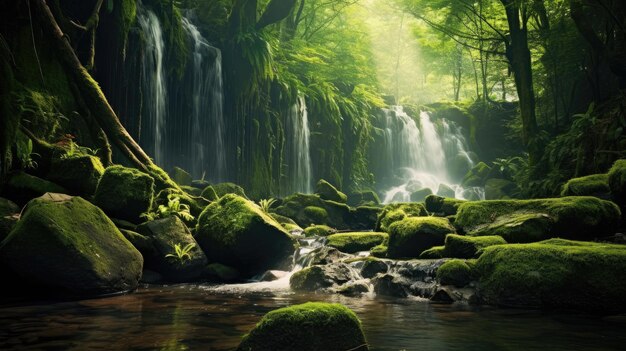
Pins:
<point x="298" y="157"/>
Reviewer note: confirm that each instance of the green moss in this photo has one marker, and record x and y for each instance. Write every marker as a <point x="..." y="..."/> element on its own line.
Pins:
<point x="591" y="185"/>
<point x="363" y="198"/>
<point x="162" y="180"/>
<point x="574" y="217"/>
<point x="459" y="246"/>
<point x="316" y="214"/>
<point x="80" y="175"/>
<point x="555" y="274"/>
<point x="327" y="191"/>
<point x="309" y="279"/>
<point x="518" y="227"/>
<point x="434" y="252"/>
<point x="617" y="181"/>
<point x="209" y="193"/>
<point x="124" y="14"/>
<point x="355" y="242"/>
<point x="22" y="187"/>
<point x="454" y="272"/>
<point x="379" y="251"/>
<point x="222" y="189"/>
<point x="295" y="206"/>
<point x="124" y="193"/>
<point x="411" y="236"/>
<point x="236" y="232"/>
<point x="442" y="205"/>
<point x="310" y="326"/>
<point x="396" y="212"/>
<point x="319" y="230"/>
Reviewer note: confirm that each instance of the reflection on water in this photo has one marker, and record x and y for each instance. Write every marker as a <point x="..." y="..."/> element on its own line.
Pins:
<point x="195" y="318"/>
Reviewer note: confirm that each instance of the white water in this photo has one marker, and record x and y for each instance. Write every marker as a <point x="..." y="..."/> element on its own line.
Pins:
<point x="298" y="157"/>
<point x="419" y="154"/>
<point x="154" y="86"/>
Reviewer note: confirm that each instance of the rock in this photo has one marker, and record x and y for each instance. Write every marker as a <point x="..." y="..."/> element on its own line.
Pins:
<point x="222" y="189"/>
<point x="372" y="267"/>
<point x="418" y="270"/>
<point x="617" y="182"/>
<point x="209" y="194"/>
<point x="454" y="272"/>
<point x="307" y="210"/>
<point x="379" y="251"/>
<point x="556" y="273"/>
<point x="272" y="275"/>
<point x="289" y="224"/>
<point x="124" y="193"/>
<point x="222" y="273"/>
<point x="476" y="176"/>
<point x="319" y="230"/>
<point x="326" y="255"/>
<point x="165" y="234"/>
<point x="353" y="289"/>
<point x="327" y="191"/>
<point x="308" y="327"/>
<point x="434" y="252"/>
<point x="151" y="277"/>
<point x="445" y="191"/>
<point x="143" y="244"/>
<point x="389" y="285"/>
<point x="442" y="295"/>
<point x="442" y="205"/>
<point x="22" y="187"/>
<point x="196" y="204"/>
<point x="68" y="246"/>
<point x="356" y="241"/>
<point x="459" y="246"/>
<point x="396" y="212"/>
<point x="573" y="217"/>
<point x="317" y="278"/>
<point x="79" y="175"/>
<point x="181" y="177"/>
<point x="592" y="185"/>
<point x="411" y="236"/>
<point x="9" y="215"/>
<point x="316" y="214"/>
<point x="363" y="198"/>
<point x="236" y="232"/>
<point x="420" y="195"/>
<point x="363" y="217"/>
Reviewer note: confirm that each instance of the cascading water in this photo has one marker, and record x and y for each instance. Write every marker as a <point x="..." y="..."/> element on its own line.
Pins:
<point x="154" y="86"/>
<point x="419" y="155"/>
<point x="298" y="156"/>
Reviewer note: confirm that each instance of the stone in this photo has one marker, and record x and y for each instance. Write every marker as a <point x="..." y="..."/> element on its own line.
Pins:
<point x="125" y="193"/>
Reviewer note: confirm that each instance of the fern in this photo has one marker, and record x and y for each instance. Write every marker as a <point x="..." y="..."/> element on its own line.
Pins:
<point x="181" y="254"/>
<point x="266" y="204"/>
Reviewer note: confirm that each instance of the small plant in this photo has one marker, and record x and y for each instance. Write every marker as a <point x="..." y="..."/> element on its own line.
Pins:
<point x="173" y="208"/>
<point x="181" y="254"/>
<point x="72" y="149"/>
<point x="24" y="151"/>
<point x="266" y="204"/>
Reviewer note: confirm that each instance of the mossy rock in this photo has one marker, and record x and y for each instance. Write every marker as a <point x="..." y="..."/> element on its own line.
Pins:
<point x="496" y="189"/>
<point x="289" y="224"/>
<point x="196" y="204"/>
<point x="181" y="177"/>
<point x="327" y="191"/>
<point x="311" y="326"/>
<point x="79" y="175"/>
<point x="373" y="266"/>
<point x="22" y="187"/>
<point x="518" y="227"/>
<point x="319" y="230"/>
<point x="445" y="191"/>
<point x="476" y="176"/>
<point x="363" y="217"/>
<point x="582" y="217"/>
<point x="435" y="252"/>
<point x="320" y="277"/>
<point x="379" y="251"/>
<point x="236" y="232"/>
<point x="363" y="198"/>
<point x="125" y="193"/>
<point x="222" y="189"/>
<point x="411" y="236"/>
<point x="316" y="214"/>
<point x="355" y="242"/>
<point x="454" y="272"/>
<point x="442" y="205"/>
<point x="9" y="215"/>
<point x="591" y="185"/>
<point x="67" y="245"/>
<point x="617" y="181"/>
<point x="305" y="210"/>
<point x="165" y="234"/>
<point x="459" y="246"/>
<point x="420" y="195"/>
<point x="209" y="193"/>
<point x="560" y="274"/>
<point x="396" y="212"/>
<point x="142" y="243"/>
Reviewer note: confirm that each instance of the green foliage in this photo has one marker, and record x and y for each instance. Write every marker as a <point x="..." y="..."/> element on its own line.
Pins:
<point x="73" y="150"/>
<point x="266" y="204"/>
<point x="173" y="208"/>
<point x="180" y="253"/>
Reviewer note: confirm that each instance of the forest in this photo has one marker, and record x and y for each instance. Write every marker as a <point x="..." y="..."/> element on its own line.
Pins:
<point x="312" y="174"/>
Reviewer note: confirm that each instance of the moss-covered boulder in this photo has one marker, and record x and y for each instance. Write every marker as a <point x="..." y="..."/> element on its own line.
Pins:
<point x="555" y="273"/>
<point x="320" y="277"/>
<point x="573" y="217"/>
<point x="373" y="266"/>
<point x="289" y="224"/>
<point x="591" y="185"/>
<point x="327" y="191"/>
<point x="209" y="193"/>
<point x="9" y="215"/>
<point x="459" y="246"/>
<point x="181" y="177"/>
<point x="236" y="232"/>
<point x="434" y="252"/>
<point x="363" y="198"/>
<point x="396" y="212"/>
<point x="319" y="230"/>
<point x="497" y="188"/>
<point x="309" y="210"/>
<point x="21" y="187"/>
<point x="411" y="236"/>
<point x="69" y="246"/>
<point x="363" y="217"/>
<point x="617" y="182"/>
<point x="421" y="194"/>
<point x="79" y="175"/>
<point x="125" y="193"/>
<point x="454" y="272"/>
<point x="183" y="264"/>
<point x="444" y="206"/>
<point x="222" y="189"/>
<point x="311" y="326"/>
<point x="355" y="242"/>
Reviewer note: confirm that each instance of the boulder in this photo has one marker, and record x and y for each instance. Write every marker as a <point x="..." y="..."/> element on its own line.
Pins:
<point x="396" y="212"/>
<point x="68" y="246"/>
<point x="21" y="187"/>
<point x="446" y="191"/>
<point x="434" y="252"/>
<point x="411" y="236"/>
<point x="617" y="182"/>
<point x="125" y="193"/>
<point x="363" y="217"/>
<point x="459" y="246"/>
<point x="307" y="210"/>
<point x="592" y="185"/>
<point x="390" y="285"/>
<point x="556" y="273"/>
<point x="518" y="227"/>
<point x="79" y="175"/>
<point x="327" y="191"/>
<point x="454" y="272"/>
<point x="236" y="232"/>
<point x="170" y="236"/>
<point x="308" y="327"/>
<point x="289" y="224"/>
<point x="181" y="177"/>
<point x="354" y="289"/>
<point x="320" y="277"/>
<point x="372" y="267"/>
<point x="363" y="198"/>
<point x="9" y="215"/>
<point x="319" y="230"/>
<point x="356" y="241"/>
<point x="442" y="205"/>
<point x="420" y="195"/>
<point x="222" y="189"/>
<point x="379" y="251"/>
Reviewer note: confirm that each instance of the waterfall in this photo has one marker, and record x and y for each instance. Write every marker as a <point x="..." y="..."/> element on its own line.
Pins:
<point x="298" y="157"/>
<point x="421" y="154"/>
<point x="153" y="83"/>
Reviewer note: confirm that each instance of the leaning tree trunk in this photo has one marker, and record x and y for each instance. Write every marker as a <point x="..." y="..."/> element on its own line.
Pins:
<point x="90" y="91"/>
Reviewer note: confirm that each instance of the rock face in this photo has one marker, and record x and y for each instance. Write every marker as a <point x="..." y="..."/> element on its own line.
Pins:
<point x="591" y="185"/>
<point x="235" y="232"/>
<point x="555" y="273"/>
<point x="67" y="245"/>
<point x="165" y="234"/>
<point x="308" y="327"/>
<point x="79" y="175"/>
<point x="355" y="242"/>
<point x="22" y="187"/>
<point x="327" y="191"/>
<point x="396" y="212"/>
<point x="124" y="193"/>
<point x="411" y="236"/>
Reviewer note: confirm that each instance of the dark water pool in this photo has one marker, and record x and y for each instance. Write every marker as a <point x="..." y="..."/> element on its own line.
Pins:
<point x="194" y="318"/>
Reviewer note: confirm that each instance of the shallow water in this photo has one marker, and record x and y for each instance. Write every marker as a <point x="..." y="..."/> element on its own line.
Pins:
<point x="190" y="317"/>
